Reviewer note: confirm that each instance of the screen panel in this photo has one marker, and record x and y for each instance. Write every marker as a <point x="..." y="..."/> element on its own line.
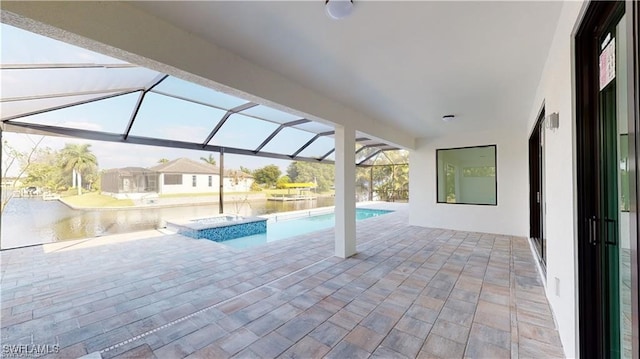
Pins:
<point x="270" y="114"/>
<point x="172" y="119"/>
<point x="319" y="147"/>
<point x="287" y="141"/>
<point x="109" y="115"/>
<point x="244" y="132"/>
<point x="177" y="87"/>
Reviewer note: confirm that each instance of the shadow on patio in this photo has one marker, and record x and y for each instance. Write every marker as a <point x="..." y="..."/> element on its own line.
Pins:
<point x="409" y="292"/>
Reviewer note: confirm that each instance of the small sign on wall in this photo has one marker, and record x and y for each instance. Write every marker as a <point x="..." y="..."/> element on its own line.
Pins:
<point x="608" y="64"/>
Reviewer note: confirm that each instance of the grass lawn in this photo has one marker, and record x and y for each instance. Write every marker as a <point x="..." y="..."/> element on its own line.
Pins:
<point x="97" y="200"/>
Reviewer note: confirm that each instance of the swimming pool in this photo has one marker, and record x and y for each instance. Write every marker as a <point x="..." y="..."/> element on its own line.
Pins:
<point x="297" y="226"/>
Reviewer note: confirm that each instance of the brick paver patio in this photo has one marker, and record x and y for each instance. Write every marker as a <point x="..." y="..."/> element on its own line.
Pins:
<point x="409" y="292"/>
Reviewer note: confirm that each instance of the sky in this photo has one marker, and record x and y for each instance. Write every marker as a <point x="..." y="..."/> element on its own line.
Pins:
<point x="159" y="116"/>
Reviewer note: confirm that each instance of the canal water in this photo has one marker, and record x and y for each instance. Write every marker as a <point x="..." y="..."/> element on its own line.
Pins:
<point x="28" y="221"/>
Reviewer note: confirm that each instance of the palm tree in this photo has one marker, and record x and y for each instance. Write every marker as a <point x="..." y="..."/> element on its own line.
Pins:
<point x="163" y="161"/>
<point x="78" y="158"/>
<point x="210" y="160"/>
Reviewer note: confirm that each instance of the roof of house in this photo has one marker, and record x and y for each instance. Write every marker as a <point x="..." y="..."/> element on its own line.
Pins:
<point x="129" y="170"/>
<point x="236" y="174"/>
<point x="185" y="165"/>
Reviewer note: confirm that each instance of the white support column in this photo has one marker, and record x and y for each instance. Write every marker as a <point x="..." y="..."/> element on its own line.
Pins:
<point x="345" y="199"/>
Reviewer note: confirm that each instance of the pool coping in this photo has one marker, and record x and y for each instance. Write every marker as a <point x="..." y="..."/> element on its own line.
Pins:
<point x="192" y="224"/>
<point x="283" y="216"/>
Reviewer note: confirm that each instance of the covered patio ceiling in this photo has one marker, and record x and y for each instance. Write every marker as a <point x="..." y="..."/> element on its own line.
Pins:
<point x="405" y="63"/>
<point x="54" y="88"/>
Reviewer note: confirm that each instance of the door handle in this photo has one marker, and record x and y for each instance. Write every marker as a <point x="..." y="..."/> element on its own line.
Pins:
<point x="614" y="241"/>
<point x="593" y="230"/>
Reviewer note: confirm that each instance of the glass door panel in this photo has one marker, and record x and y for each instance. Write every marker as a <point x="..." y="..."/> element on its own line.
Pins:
<point x="614" y="179"/>
<point x="624" y="250"/>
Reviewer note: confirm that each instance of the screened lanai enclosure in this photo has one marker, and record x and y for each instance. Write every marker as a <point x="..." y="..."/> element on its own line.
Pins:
<point x="384" y="177"/>
<point x="129" y="180"/>
<point x="54" y="90"/>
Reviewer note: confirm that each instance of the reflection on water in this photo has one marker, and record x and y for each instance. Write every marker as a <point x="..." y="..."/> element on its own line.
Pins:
<point x="33" y="221"/>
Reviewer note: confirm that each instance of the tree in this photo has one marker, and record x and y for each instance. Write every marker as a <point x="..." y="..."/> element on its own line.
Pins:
<point x="78" y="158"/>
<point x="320" y="173"/>
<point x="45" y="170"/>
<point x="267" y="175"/>
<point x="388" y="177"/>
<point x="246" y="170"/>
<point x="391" y="175"/>
<point x="210" y="160"/>
<point x="255" y="187"/>
<point x="363" y="182"/>
<point x="93" y="181"/>
<point x="282" y="180"/>
<point x="163" y="161"/>
<point x="11" y="156"/>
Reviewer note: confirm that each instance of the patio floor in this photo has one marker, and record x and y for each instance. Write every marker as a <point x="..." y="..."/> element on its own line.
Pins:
<point x="409" y="292"/>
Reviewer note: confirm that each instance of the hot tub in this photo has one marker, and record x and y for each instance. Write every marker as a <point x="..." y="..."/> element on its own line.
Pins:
<point x="219" y="228"/>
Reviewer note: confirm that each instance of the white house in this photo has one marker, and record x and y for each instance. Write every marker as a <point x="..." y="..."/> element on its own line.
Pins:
<point x="183" y="175"/>
<point x="237" y="181"/>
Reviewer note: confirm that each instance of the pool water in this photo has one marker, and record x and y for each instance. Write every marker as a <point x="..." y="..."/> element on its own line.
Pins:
<point x="293" y="227"/>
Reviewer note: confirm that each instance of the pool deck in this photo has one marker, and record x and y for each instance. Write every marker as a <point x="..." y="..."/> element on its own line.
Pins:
<point x="409" y="292"/>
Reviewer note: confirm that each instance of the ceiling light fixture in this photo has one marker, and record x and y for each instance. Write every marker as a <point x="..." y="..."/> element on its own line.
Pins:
<point x="447" y="118"/>
<point x="338" y="9"/>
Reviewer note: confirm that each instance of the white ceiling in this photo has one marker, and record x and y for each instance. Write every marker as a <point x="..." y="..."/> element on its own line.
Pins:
<point x="405" y="63"/>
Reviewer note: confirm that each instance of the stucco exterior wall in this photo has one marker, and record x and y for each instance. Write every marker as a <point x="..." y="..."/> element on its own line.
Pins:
<point x="556" y="91"/>
<point x="509" y="216"/>
<point x="202" y="184"/>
